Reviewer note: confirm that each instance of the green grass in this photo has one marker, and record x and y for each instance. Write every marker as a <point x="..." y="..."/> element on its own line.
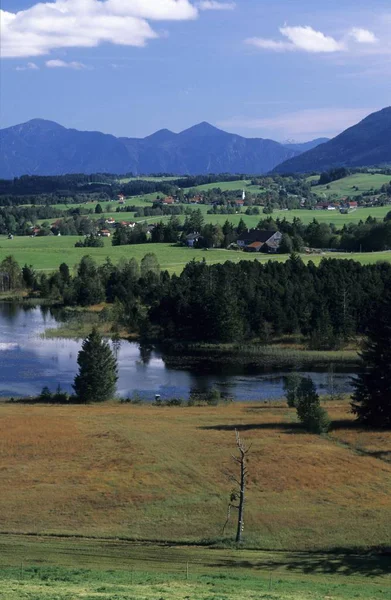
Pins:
<point x="141" y="178"/>
<point x="47" y="253"/>
<point x="335" y="217"/>
<point x="365" y="182"/>
<point x="66" y="569"/>
<point x="225" y="186"/>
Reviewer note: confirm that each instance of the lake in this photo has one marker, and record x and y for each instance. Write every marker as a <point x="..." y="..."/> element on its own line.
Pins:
<point x="28" y="362"/>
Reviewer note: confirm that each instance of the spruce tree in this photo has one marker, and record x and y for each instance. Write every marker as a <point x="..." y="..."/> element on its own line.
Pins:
<point x="372" y="396"/>
<point x="97" y="377"/>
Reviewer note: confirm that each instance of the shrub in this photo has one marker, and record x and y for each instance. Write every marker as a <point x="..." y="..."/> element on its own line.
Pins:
<point x="210" y="398"/>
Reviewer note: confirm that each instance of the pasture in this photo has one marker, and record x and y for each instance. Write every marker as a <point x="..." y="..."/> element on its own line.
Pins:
<point x="140" y="472"/>
<point x="334" y="216"/>
<point x="61" y="569"/>
<point x="47" y="253"/>
<point x="353" y="185"/>
<point x="146" y="178"/>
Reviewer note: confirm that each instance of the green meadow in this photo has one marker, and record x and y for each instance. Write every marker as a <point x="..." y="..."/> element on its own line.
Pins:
<point x="142" y="178"/>
<point x="47" y="253"/>
<point x="71" y="569"/>
<point x="354" y="185"/>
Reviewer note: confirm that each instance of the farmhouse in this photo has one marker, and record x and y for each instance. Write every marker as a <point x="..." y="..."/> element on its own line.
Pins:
<point x="254" y="240"/>
<point x="192" y="239"/>
<point x="169" y="200"/>
<point x="130" y="224"/>
<point x="105" y="233"/>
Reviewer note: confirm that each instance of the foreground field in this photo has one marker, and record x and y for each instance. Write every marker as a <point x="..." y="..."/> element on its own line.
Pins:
<point x="47" y="253"/>
<point x="148" y="473"/>
<point x="64" y="569"/>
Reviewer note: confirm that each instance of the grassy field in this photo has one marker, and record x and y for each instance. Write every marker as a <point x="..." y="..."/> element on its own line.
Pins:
<point x="47" y="253"/>
<point x="354" y="184"/>
<point x="142" y="178"/>
<point x="226" y="186"/>
<point x="65" y="569"/>
<point x="335" y="217"/>
<point x="306" y="216"/>
<point x="148" y="473"/>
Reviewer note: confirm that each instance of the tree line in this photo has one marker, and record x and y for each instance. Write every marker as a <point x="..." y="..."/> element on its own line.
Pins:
<point x="230" y="302"/>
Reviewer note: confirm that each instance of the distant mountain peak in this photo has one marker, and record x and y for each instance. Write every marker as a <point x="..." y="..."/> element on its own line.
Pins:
<point x="42" y="124"/>
<point x="161" y="135"/>
<point x="203" y="129"/>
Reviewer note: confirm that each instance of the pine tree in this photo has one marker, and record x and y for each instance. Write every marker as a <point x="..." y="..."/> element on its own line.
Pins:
<point x="97" y="377"/>
<point x="372" y="397"/>
<point x="314" y="418"/>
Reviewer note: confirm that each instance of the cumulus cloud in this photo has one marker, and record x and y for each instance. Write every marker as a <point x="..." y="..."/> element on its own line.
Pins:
<point x="310" y="40"/>
<point x="214" y="5"/>
<point x="29" y="67"/>
<point x="363" y="36"/>
<point x="62" y="64"/>
<point x="303" y="124"/>
<point x="86" y="23"/>
<point x="307" y="39"/>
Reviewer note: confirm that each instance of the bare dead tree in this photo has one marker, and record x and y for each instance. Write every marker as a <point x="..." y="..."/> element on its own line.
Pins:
<point x="238" y="494"/>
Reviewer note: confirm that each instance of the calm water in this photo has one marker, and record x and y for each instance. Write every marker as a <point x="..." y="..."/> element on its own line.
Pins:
<point x="28" y="362"/>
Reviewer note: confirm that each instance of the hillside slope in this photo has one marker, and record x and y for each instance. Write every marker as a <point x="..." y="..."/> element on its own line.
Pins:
<point x="366" y="144"/>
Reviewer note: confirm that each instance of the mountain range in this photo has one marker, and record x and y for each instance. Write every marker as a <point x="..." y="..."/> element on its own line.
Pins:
<point x="366" y="144"/>
<point x="41" y="147"/>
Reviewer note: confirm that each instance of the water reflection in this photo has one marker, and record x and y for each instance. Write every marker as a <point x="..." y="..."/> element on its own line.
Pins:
<point x="29" y="362"/>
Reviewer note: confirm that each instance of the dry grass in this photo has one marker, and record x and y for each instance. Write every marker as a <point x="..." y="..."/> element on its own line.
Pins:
<point x="158" y="473"/>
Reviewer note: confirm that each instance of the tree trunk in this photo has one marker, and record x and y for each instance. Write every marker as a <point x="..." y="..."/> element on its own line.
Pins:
<point x="241" y="497"/>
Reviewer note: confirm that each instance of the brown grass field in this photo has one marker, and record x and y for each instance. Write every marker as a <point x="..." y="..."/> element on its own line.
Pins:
<point x="148" y="473"/>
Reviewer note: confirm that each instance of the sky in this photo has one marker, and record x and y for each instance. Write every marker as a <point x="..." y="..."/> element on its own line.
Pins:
<point x="279" y="69"/>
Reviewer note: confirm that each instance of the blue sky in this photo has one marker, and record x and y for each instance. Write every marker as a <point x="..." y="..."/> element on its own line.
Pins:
<point x="281" y="69"/>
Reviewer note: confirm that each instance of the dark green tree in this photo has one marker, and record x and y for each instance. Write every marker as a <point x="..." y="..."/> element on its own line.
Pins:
<point x="29" y="276"/>
<point x="98" y="209"/>
<point x="98" y="373"/>
<point x="291" y="385"/>
<point x="286" y="245"/>
<point x="372" y="396"/>
<point x="309" y="411"/>
<point x="242" y="227"/>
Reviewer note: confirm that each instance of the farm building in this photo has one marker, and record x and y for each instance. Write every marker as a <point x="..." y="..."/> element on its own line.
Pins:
<point x="192" y="239"/>
<point x="255" y="240"/>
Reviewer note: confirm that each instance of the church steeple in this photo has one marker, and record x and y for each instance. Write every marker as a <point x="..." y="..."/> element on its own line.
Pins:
<point x="244" y="195"/>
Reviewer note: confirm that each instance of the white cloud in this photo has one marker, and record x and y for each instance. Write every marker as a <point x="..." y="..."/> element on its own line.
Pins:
<point x="301" y="125"/>
<point x="363" y="36"/>
<point x="62" y="64"/>
<point x="266" y="44"/>
<point x="86" y="23"/>
<point x="307" y="39"/>
<point x="214" y="5"/>
<point x="29" y="67"/>
<point x="310" y="40"/>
